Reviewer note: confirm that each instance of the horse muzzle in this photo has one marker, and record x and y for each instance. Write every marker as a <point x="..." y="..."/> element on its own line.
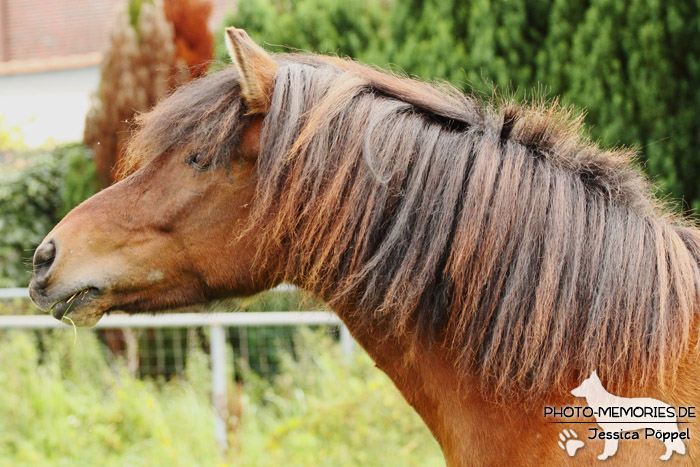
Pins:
<point x="74" y="300"/>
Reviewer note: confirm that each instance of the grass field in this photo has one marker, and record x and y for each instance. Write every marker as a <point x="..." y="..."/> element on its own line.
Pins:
<point x="66" y="404"/>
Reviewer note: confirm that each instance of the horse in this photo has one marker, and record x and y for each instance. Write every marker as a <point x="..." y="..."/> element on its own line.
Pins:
<point x="485" y="253"/>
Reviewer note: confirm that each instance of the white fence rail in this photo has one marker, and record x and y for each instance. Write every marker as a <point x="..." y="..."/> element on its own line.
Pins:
<point x="14" y="293"/>
<point x="182" y="320"/>
<point x="215" y="321"/>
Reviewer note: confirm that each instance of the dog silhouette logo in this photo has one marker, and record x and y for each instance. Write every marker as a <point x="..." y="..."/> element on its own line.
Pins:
<point x="618" y="415"/>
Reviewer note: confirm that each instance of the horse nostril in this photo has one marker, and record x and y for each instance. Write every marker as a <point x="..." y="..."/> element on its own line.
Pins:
<point x="43" y="260"/>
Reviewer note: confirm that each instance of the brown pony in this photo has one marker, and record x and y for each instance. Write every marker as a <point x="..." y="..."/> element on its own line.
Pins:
<point x="486" y="255"/>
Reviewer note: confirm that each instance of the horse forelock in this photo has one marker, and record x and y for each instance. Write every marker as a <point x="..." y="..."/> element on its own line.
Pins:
<point x="205" y="116"/>
<point x="495" y="230"/>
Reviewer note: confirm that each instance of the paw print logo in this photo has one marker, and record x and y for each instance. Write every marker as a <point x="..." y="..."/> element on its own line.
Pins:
<point x="569" y="442"/>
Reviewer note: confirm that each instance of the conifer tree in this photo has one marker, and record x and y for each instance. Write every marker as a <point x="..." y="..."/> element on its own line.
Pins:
<point x="146" y="59"/>
<point x="633" y="66"/>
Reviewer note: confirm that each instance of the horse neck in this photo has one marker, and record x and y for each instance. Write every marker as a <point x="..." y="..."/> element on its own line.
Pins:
<point x="471" y="428"/>
<point x="452" y="408"/>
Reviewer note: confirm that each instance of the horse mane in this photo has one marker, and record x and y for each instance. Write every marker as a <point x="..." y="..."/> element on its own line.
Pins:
<point x="492" y="229"/>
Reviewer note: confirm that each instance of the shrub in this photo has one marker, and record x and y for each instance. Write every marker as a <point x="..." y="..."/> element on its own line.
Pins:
<point x="79" y="180"/>
<point x="633" y="66"/>
<point x="29" y="203"/>
<point x="36" y="189"/>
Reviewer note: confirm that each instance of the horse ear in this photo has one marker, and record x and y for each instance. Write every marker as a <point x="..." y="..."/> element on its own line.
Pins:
<point x="257" y="69"/>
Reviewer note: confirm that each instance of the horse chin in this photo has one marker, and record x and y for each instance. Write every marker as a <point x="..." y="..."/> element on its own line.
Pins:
<point x="81" y="307"/>
<point x="83" y="318"/>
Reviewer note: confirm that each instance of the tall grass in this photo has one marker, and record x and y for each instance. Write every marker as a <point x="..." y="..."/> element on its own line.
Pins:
<point x="64" y="404"/>
<point x="321" y="410"/>
<point x="67" y="406"/>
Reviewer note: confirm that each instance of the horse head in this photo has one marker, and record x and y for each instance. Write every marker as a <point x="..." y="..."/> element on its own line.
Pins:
<point x="173" y="232"/>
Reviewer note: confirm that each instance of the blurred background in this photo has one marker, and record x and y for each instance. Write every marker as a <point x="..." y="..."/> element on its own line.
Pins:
<point x="73" y="73"/>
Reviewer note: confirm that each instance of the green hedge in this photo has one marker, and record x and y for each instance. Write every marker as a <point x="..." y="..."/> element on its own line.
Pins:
<point x="633" y="66"/>
<point x="37" y="188"/>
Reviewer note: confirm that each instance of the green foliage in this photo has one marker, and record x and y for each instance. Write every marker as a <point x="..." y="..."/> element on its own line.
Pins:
<point x="79" y="175"/>
<point x="135" y="12"/>
<point x="323" y="411"/>
<point x="354" y="28"/>
<point x="17" y="306"/>
<point x="36" y="189"/>
<point x="633" y="66"/>
<point x="264" y="346"/>
<point x="636" y="68"/>
<point x="29" y="203"/>
<point x="67" y="405"/>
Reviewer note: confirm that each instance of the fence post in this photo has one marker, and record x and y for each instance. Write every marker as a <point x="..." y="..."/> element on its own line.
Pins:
<point x="217" y="342"/>
<point x="347" y="343"/>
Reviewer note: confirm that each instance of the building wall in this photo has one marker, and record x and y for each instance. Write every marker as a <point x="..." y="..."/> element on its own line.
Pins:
<point x="45" y="28"/>
<point x="49" y="62"/>
<point x="48" y="106"/>
<point x="31" y="29"/>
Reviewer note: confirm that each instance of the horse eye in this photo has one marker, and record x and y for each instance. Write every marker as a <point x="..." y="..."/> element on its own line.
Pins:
<point x="196" y="160"/>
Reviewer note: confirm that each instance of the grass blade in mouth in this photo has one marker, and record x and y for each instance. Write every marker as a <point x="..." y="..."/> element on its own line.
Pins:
<point x="72" y="297"/>
<point x="65" y="316"/>
<point x="63" y="307"/>
<point x="75" y="329"/>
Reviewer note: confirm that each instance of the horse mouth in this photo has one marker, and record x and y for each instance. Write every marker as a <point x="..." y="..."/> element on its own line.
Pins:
<point x="70" y="304"/>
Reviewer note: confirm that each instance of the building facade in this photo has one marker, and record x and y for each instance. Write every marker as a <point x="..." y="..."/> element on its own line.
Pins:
<point x="50" y="52"/>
